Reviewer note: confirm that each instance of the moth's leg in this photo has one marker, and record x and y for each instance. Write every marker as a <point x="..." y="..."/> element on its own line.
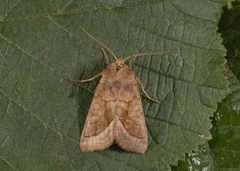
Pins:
<point x="87" y="80"/>
<point x="145" y="93"/>
<point x="105" y="55"/>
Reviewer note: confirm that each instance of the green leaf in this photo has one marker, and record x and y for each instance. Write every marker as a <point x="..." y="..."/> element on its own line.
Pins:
<point x="224" y="153"/>
<point x="225" y="147"/>
<point x="197" y="161"/>
<point x="42" y="114"/>
<point x="230" y="29"/>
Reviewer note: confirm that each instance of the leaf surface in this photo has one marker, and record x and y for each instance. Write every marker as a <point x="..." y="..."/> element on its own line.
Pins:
<point x="42" y="114"/>
<point x="230" y="30"/>
<point x="225" y="148"/>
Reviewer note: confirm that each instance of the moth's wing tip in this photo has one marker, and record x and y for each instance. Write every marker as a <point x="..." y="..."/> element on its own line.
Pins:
<point x="141" y="150"/>
<point x="86" y="149"/>
<point x="85" y="146"/>
<point x="82" y="147"/>
<point x="134" y="145"/>
<point x="144" y="149"/>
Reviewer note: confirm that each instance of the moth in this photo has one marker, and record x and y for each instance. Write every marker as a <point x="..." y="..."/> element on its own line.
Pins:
<point x="116" y="112"/>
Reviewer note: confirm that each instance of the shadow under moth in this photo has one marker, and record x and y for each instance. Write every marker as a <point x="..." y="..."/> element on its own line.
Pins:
<point x="116" y="112"/>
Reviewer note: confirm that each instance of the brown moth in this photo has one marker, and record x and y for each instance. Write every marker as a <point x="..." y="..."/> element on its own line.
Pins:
<point x="116" y="112"/>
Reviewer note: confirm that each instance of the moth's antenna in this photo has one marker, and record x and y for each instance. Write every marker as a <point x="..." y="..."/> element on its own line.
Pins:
<point x="134" y="56"/>
<point x="98" y="41"/>
<point x="105" y="55"/>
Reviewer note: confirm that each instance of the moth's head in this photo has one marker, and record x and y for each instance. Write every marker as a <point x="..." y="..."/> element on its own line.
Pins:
<point x="119" y="63"/>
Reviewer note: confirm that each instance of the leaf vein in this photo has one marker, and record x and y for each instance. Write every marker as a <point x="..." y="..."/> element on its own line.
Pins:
<point x="123" y="20"/>
<point x="190" y="15"/>
<point x="174" y="124"/>
<point x="8" y="163"/>
<point x="65" y="6"/>
<point x="35" y="59"/>
<point x="167" y="38"/>
<point x="175" y="78"/>
<point x="3" y="141"/>
<point x="45" y="124"/>
<point x="3" y="55"/>
<point x="12" y="7"/>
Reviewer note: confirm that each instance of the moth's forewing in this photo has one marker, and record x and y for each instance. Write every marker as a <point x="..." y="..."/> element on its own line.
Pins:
<point x="97" y="132"/>
<point x="130" y="129"/>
